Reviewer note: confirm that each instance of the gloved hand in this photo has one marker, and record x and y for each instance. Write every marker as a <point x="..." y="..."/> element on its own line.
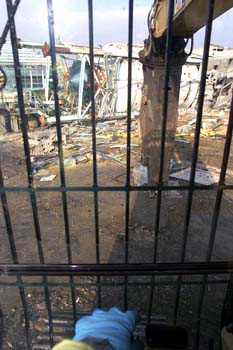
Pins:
<point x="114" y="325"/>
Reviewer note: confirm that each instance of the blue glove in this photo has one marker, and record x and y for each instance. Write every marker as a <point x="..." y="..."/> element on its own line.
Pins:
<point x="114" y="325"/>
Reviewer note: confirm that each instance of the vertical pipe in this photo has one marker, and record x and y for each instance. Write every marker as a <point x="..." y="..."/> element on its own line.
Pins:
<point x="196" y="144"/>
<point x="91" y="48"/>
<point x="128" y="159"/>
<point x="59" y="139"/>
<point x="163" y="141"/>
<point x="28" y="159"/>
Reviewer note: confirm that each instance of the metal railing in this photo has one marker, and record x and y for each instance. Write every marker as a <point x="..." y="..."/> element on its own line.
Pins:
<point x="204" y="269"/>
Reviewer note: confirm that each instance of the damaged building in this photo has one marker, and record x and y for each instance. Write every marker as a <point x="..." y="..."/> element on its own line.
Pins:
<point x="110" y="79"/>
<point x="35" y="72"/>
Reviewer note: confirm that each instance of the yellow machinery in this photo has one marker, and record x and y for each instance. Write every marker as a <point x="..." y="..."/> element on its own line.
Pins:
<point x="189" y="16"/>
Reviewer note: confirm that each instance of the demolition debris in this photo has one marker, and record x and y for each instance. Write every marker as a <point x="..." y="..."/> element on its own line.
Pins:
<point x="110" y="75"/>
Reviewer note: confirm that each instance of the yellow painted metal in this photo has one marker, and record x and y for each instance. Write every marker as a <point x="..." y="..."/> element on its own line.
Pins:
<point x="189" y="16"/>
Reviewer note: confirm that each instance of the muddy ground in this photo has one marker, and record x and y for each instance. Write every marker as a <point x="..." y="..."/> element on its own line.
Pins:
<point x="112" y="244"/>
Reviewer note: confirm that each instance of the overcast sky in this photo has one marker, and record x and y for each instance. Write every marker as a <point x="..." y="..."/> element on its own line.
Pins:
<point x="110" y="22"/>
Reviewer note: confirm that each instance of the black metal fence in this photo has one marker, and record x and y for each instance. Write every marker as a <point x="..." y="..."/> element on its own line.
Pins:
<point x="205" y="269"/>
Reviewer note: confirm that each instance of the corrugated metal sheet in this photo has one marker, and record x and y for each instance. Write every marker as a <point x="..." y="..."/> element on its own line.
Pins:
<point x="27" y="56"/>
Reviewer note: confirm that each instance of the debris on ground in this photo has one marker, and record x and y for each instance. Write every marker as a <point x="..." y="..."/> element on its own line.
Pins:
<point x="77" y="139"/>
<point x="111" y="146"/>
<point x="213" y="124"/>
<point x="205" y="174"/>
<point x="70" y="161"/>
<point x="140" y="175"/>
<point x="41" y="173"/>
<point x="81" y="159"/>
<point x="48" y="178"/>
<point x="202" y="177"/>
<point x="42" y="145"/>
<point x="175" y="166"/>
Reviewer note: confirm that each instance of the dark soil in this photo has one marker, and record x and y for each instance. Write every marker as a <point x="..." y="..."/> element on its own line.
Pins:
<point x="112" y="245"/>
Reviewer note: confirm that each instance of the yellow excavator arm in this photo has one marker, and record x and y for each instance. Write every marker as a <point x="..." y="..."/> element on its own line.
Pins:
<point x="189" y="16"/>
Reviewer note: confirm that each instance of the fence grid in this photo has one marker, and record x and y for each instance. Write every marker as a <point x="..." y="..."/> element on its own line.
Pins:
<point x="205" y="269"/>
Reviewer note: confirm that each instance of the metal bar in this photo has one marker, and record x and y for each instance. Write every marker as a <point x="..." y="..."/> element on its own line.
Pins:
<point x="222" y="179"/>
<point x="96" y="209"/>
<point x="205" y="268"/>
<point x="128" y="155"/>
<point x="108" y="284"/>
<point x="217" y="207"/>
<point x="8" y="24"/>
<point x="7" y="218"/>
<point x="193" y="268"/>
<point x="14" y="256"/>
<point x="27" y="156"/>
<point x="211" y="344"/>
<point x="163" y="140"/>
<point x="129" y="99"/>
<point x="113" y="188"/>
<point x="59" y="140"/>
<point x="127" y="213"/>
<point x="196" y="144"/>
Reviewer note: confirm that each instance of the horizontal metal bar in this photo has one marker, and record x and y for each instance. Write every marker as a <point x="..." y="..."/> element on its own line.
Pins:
<point x="107" y="284"/>
<point x="193" y="268"/>
<point x="114" y="188"/>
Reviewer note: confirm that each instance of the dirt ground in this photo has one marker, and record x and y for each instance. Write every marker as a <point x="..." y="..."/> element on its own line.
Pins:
<point x="112" y="244"/>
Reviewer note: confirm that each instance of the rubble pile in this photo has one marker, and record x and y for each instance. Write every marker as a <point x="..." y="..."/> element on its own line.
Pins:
<point x="213" y="124"/>
<point x="111" y="147"/>
<point x="77" y="139"/>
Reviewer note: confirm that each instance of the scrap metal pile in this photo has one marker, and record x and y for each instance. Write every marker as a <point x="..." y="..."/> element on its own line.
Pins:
<point x="77" y="146"/>
<point x="110" y="74"/>
<point x="219" y="80"/>
<point x="111" y="150"/>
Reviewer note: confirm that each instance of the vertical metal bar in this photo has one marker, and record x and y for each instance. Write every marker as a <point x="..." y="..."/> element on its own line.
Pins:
<point x="163" y="141"/>
<point x="15" y="260"/>
<point x="211" y="344"/>
<point x="196" y="145"/>
<point x="226" y="154"/>
<point x="128" y="159"/>
<point x="59" y="141"/>
<point x="93" y="115"/>
<point x="217" y="207"/>
<point x="28" y="159"/>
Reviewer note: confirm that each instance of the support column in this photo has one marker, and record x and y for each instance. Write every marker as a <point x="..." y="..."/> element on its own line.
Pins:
<point x="151" y="112"/>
